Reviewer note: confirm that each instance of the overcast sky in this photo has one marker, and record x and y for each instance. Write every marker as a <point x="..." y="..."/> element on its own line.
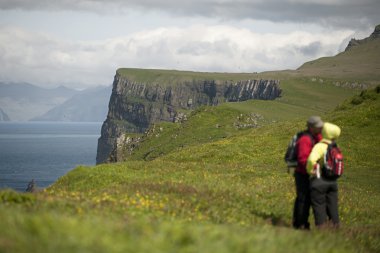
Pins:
<point x="81" y="43"/>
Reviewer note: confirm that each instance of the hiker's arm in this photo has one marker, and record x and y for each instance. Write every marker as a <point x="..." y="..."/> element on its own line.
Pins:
<point x="315" y="155"/>
<point x="304" y="149"/>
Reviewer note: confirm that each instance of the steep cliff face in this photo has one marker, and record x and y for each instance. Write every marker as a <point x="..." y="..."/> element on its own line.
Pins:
<point x="134" y="106"/>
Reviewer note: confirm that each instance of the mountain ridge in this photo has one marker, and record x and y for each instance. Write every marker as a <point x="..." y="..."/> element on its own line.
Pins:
<point x="354" y="42"/>
<point x="360" y="62"/>
<point x="89" y="105"/>
<point x="29" y="102"/>
<point x="23" y="101"/>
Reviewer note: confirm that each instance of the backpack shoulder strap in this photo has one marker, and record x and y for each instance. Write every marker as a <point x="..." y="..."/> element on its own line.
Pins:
<point x="307" y="133"/>
<point x="332" y="144"/>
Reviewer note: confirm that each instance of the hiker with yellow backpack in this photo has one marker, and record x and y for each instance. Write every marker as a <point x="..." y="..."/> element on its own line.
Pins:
<point x="296" y="157"/>
<point x="325" y="164"/>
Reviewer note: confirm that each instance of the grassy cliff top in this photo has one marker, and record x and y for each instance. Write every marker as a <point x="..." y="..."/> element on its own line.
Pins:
<point x="176" y="76"/>
<point x="360" y="62"/>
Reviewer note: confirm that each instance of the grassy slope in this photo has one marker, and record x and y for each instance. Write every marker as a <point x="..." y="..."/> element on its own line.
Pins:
<point x="301" y="98"/>
<point x="361" y="63"/>
<point x="219" y="196"/>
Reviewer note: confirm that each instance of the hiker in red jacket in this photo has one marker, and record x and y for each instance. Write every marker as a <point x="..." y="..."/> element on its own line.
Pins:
<point x="304" y="146"/>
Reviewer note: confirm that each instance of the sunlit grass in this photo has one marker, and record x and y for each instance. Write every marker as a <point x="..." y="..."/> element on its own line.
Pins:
<point x="225" y="194"/>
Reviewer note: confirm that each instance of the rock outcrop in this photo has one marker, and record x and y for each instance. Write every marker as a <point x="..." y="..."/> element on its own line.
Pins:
<point x="354" y="43"/>
<point x="134" y="106"/>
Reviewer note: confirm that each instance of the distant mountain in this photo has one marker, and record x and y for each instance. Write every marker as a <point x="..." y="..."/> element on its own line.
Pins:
<point x="360" y="61"/>
<point x="23" y="101"/>
<point x="3" y="116"/>
<point x="89" y="105"/>
<point x="33" y="92"/>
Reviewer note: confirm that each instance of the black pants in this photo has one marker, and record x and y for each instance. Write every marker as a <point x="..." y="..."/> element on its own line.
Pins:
<point x="302" y="202"/>
<point x="324" y="200"/>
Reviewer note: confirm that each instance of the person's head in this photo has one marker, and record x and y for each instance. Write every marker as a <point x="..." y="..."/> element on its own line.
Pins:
<point x="314" y="124"/>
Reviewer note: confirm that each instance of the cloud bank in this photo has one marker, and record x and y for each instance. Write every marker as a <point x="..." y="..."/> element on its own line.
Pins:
<point x="42" y="59"/>
<point x="334" y="13"/>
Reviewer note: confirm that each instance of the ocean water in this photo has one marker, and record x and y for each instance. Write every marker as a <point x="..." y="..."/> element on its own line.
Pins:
<point x="44" y="151"/>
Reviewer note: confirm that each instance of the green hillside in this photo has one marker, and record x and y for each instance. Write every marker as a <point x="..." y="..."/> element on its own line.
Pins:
<point x="301" y="98"/>
<point x="361" y="64"/>
<point x="228" y="194"/>
<point x="217" y="182"/>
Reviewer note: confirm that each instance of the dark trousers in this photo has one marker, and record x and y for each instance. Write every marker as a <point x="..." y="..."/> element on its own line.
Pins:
<point x="324" y="200"/>
<point x="302" y="202"/>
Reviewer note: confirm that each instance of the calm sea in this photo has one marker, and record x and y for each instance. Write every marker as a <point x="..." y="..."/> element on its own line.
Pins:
<point x="44" y="151"/>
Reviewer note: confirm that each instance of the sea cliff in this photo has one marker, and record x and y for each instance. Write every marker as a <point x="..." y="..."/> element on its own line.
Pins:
<point x="135" y="105"/>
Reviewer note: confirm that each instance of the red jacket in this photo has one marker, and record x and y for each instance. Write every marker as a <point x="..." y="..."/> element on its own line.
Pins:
<point x="304" y="147"/>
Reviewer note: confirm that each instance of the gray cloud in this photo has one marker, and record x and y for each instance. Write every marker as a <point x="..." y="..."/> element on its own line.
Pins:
<point x="45" y="60"/>
<point x="312" y="49"/>
<point x="198" y="48"/>
<point x="334" y="13"/>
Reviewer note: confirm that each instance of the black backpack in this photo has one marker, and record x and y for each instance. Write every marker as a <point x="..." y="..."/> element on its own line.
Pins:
<point x="292" y="151"/>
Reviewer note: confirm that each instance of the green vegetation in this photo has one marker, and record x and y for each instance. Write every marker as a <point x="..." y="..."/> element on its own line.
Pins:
<point x="226" y="190"/>
<point x="213" y="123"/>
<point x="170" y="77"/>
<point x="217" y="182"/>
<point x="360" y="63"/>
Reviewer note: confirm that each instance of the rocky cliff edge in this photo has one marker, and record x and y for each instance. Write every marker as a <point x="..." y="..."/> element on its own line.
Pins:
<point x="134" y="106"/>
